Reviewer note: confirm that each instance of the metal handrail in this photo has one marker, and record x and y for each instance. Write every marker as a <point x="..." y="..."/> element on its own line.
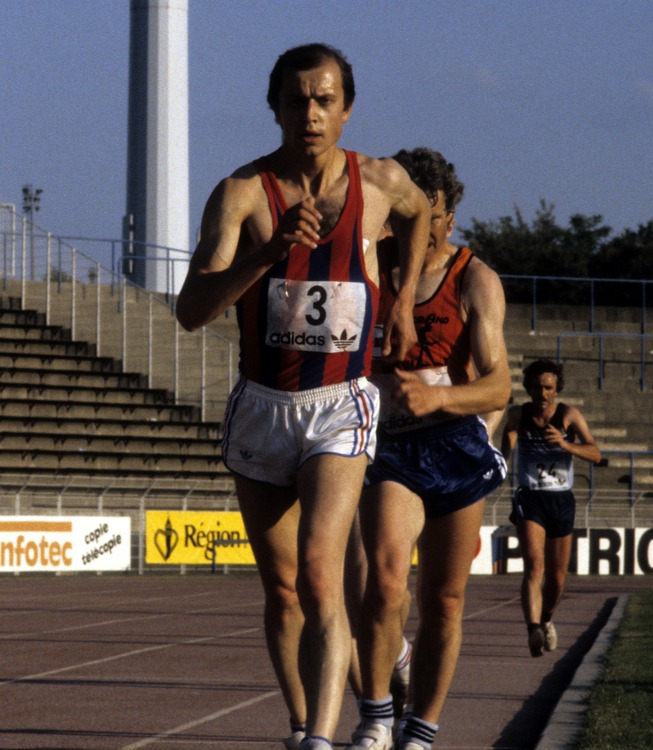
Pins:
<point x="97" y="304"/>
<point x="641" y="337"/>
<point x="632" y="491"/>
<point x="535" y="280"/>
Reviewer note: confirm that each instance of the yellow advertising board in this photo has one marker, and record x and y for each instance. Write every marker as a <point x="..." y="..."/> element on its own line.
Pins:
<point x="190" y="537"/>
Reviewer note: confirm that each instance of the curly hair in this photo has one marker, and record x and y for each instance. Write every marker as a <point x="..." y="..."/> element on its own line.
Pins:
<point x="431" y="172"/>
<point x="539" y="367"/>
<point x="307" y="57"/>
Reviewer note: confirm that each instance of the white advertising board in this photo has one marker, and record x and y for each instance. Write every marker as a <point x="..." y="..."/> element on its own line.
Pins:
<point x="64" y="543"/>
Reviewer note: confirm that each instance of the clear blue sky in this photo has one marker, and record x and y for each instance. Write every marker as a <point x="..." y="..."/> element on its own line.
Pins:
<point x="530" y="99"/>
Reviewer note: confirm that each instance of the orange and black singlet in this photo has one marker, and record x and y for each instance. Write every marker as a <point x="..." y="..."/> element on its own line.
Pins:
<point x="442" y="336"/>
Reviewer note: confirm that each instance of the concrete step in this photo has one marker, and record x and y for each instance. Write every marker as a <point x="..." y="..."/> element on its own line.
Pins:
<point x="614" y="433"/>
<point x="82" y="362"/>
<point x="614" y="413"/>
<point x="83" y="393"/>
<point x="119" y="463"/>
<point x="27" y="345"/>
<point x="579" y="314"/>
<point x="613" y="445"/>
<point x="54" y="378"/>
<point x="155" y="446"/>
<point x="623" y="462"/>
<point x="94" y="410"/>
<point x="11" y="313"/>
<point x="31" y="331"/>
<point x="111" y="428"/>
<point x="33" y="487"/>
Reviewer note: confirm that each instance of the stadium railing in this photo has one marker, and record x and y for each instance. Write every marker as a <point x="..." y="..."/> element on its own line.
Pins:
<point x="642" y="338"/>
<point x="541" y="290"/>
<point x="72" y="288"/>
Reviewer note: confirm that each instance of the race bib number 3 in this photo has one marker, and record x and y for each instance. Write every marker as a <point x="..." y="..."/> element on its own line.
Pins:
<point x="324" y="316"/>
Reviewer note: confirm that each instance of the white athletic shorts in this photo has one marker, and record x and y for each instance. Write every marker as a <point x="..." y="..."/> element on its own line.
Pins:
<point x="270" y="433"/>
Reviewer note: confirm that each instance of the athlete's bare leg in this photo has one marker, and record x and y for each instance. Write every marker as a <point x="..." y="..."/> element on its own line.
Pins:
<point x="532" y="538"/>
<point x="355" y="580"/>
<point x="271" y="517"/>
<point x="329" y="488"/>
<point x="557" y="552"/>
<point x="446" y="550"/>
<point x="391" y="519"/>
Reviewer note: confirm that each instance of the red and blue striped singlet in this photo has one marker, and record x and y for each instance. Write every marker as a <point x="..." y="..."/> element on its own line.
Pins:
<point x="309" y="321"/>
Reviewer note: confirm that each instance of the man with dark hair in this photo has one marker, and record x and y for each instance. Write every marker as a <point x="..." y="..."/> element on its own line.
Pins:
<point x="291" y="240"/>
<point x="307" y="57"/>
<point x="434" y="466"/>
<point x="544" y="507"/>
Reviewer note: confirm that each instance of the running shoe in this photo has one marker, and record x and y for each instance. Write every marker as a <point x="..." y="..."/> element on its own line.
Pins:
<point x="536" y="641"/>
<point x="399" y="682"/>
<point x="371" y="736"/>
<point x="316" y="743"/>
<point x="550" y="636"/>
<point x="292" y="742"/>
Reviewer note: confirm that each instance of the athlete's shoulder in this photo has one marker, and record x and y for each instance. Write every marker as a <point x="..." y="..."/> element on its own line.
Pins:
<point x="568" y="412"/>
<point x="480" y="268"/>
<point x="383" y="172"/>
<point x="243" y="184"/>
<point x="482" y="283"/>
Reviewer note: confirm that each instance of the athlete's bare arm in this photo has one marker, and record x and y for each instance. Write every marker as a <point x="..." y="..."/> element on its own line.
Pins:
<point x="237" y="246"/>
<point x="389" y="191"/>
<point x="483" y="305"/>
<point x="575" y="423"/>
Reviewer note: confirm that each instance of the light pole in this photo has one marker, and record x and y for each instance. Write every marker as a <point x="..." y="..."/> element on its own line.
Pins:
<point x="31" y="201"/>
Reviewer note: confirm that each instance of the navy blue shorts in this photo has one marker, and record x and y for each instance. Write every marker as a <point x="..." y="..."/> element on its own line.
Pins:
<point x="555" y="511"/>
<point x="449" y="466"/>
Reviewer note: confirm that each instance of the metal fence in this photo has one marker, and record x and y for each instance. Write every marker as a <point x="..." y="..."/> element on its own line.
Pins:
<point x="542" y="291"/>
<point x="101" y="306"/>
<point x="644" y="353"/>
<point x="595" y="509"/>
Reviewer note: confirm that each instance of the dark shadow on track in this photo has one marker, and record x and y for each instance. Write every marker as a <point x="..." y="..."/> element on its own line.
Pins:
<point x="536" y="710"/>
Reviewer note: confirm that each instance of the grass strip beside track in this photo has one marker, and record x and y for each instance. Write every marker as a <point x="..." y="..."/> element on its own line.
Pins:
<point x="620" y="705"/>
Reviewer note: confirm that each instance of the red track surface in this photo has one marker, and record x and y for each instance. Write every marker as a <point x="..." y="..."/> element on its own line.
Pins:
<point x="167" y="662"/>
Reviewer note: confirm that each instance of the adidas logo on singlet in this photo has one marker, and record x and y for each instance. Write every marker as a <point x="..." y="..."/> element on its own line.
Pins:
<point x="400" y="423"/>
<point x="290" y="338"/>
<point x="343" y="342"/>
<point x="245" y="455"/>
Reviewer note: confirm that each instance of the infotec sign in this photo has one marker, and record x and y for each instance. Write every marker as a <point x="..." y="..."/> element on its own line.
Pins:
<point x="64" y="543"/>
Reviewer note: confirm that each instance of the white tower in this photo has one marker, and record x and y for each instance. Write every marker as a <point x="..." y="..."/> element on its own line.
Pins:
<point x="156" y="224"/>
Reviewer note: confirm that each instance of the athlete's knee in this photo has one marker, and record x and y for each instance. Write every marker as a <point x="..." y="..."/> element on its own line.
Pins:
<point x="281" y="599"/>
<point x="318" y="586"/>
<point x="555" y="580"/>
<point x="534" y="567"/>
<point x="444" y="607"/>
<point x="387" y="587"/>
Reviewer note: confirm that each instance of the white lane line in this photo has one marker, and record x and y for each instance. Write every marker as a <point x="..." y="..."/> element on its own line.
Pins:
<point x="126" y="655"/>
<point x="472" y="615"/>
<point x="135" y="618"/>
<point x="199" y="722"/>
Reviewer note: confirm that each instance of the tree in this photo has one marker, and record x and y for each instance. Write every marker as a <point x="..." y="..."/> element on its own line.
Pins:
<point x="627" y="256"/>
<point x="511" y="246"/>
